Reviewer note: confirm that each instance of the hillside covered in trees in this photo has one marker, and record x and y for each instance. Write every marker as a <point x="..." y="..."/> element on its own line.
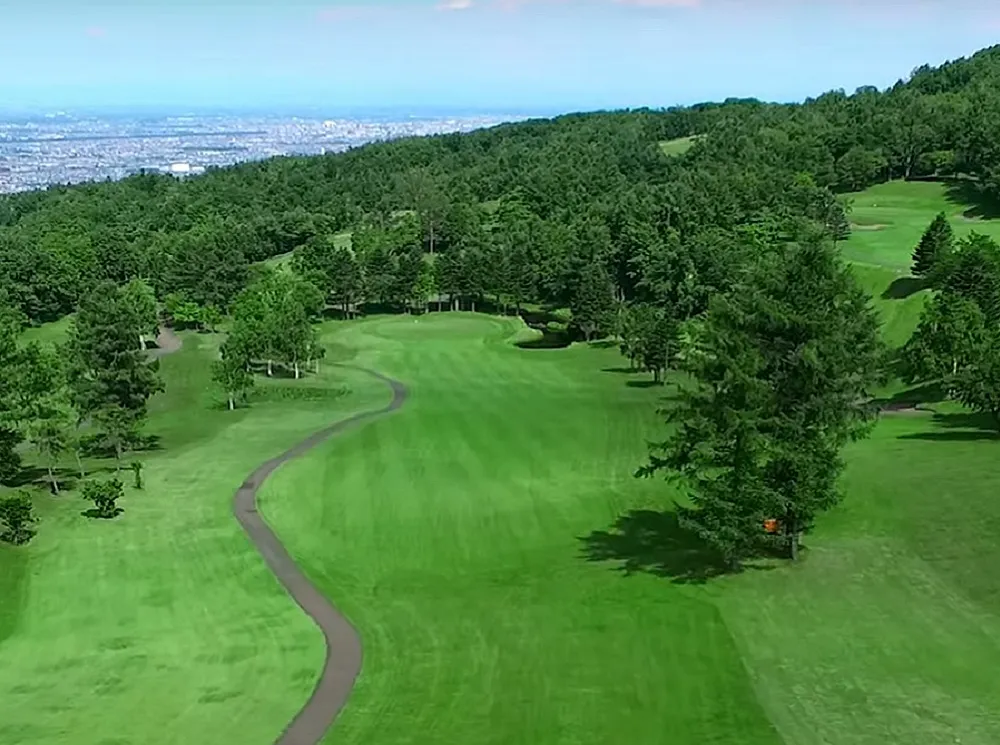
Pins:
<point x="555" y="211"/>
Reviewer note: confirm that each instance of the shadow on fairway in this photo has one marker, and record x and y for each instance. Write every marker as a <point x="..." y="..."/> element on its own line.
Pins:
<point x="93" y="514"/>
<point x="622" y="370"/>
<point x="902" y="287"/>
<point x="548" y="340"/>
<point x="929" y="393"/>
<point x="643" y="384"/>
<point x="963" y="427"/>
<point x="651" y="542"/>
<point x="967" y="194"/>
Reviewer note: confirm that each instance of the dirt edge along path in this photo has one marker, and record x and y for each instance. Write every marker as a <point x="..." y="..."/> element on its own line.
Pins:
<point x="343" y="645"/>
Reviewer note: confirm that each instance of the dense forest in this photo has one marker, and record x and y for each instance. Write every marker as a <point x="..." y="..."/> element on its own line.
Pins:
<point x="585" y="212"/>
<point x="549" y="203"/>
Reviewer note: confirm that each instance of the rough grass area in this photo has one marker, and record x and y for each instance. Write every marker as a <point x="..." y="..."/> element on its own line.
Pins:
<point x="164" y="625"/>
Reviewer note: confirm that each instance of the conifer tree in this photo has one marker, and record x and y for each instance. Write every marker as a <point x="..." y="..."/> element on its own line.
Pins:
<point x="780" y="368"/>
<point x="111" y="379"/>
<point x="593" y="300"/>
<point x="934" y="247"/>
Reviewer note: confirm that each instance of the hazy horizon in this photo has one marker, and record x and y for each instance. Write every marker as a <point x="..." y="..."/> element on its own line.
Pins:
<point x="502" y="56"/>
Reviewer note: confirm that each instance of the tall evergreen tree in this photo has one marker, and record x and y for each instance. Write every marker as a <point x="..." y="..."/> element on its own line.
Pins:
<point x="112" y="380"/>
<point x="780" y="367"/>
<point x="934" y="246"/>
<point x="593" y="300"/>
<point x="141" y="301"/>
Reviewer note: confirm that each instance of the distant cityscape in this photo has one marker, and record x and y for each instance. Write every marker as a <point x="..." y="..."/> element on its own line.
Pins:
<point x="62" y="148"/>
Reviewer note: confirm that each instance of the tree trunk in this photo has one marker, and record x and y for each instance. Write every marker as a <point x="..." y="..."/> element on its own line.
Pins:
<point x="296" y="365"/>
<point x="79" y="464"/>
<point x="53" y="484"/>
<point x="232" y="402"/>
<point x="473" y="306"/>
<point x="142" y="342"/>
<point x="118" y="457"/>
<point x="269" y="371"/>
<point x="792" y="529"/>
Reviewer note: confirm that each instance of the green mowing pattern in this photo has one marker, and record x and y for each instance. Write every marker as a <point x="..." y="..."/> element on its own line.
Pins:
<point x="164" y="626"/>
<point x="890" y="218"/>
<point x="449" y="535"/>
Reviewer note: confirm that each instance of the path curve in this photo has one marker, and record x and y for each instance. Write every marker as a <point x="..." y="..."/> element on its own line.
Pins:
<point x="343" y="645"/>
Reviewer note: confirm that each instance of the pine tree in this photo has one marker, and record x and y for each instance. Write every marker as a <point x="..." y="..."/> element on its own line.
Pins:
<point x="659" y="343"/>
<point x="111" y="379"/>
<point x="934" y="247"/>
<point x="780" y="367"/>
<point x="593" y="300"/>
<point x="141" y="302"/>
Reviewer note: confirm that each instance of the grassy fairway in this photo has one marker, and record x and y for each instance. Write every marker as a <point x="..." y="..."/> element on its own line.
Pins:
<point x="890" y="218"/>
<point x="164" y="626"/>
<point x="450" y="534"/>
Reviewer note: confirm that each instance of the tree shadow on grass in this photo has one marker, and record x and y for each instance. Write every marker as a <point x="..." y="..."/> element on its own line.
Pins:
<point x="548" y="340"/>
<point x="94" y="514"/>
<point x="651" y="542"/>
<point x="602" y="344"/>
<point x="961" y="427"/>
<point x="621" y="370"/>
<point x="902" y="287"/>
<point x="966" y="193"/>
<point x="912" y="398"/>
<point x="644" y="384"/>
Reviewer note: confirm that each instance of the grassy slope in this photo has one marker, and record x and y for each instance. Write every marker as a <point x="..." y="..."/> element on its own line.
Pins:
<point x="164" y="626"/>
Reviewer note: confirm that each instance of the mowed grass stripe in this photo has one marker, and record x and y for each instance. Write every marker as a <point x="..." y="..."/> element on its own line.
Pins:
<point x="480" y="621"/>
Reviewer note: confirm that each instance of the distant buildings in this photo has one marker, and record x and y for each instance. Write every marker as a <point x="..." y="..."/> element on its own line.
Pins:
<point x="65" y="149"/>
<point x="180" y="170"/>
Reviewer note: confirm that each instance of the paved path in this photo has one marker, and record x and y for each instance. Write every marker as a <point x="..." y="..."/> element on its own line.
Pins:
<point x="167" y="342"/>
<point x="343" y="645"/>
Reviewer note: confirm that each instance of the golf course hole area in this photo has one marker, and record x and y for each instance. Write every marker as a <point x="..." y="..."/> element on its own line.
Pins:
<point x="445" y="327"/>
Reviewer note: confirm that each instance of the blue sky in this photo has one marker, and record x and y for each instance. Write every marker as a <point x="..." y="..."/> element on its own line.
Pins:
<point x="491" y="54"/>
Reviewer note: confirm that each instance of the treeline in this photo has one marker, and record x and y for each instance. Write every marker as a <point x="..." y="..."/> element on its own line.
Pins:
<point x="549" y="197"/>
